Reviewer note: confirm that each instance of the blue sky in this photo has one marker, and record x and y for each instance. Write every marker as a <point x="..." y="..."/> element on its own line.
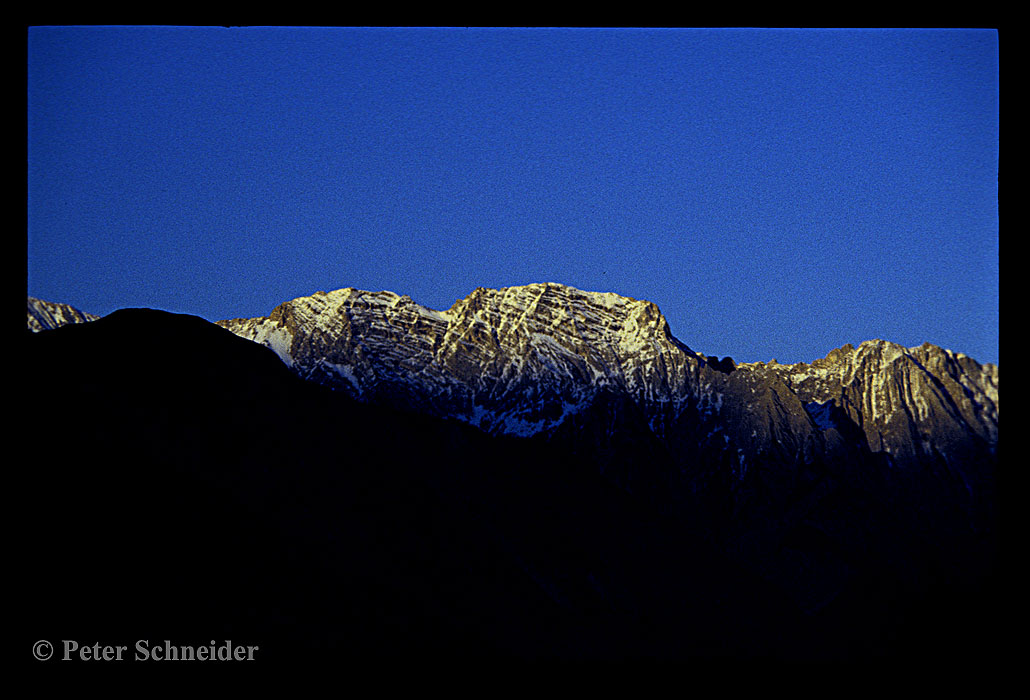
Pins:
<point x="778" y="193"/>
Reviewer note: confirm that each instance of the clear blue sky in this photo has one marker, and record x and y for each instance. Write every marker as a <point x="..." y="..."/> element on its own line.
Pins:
<point x="778" y="193"/>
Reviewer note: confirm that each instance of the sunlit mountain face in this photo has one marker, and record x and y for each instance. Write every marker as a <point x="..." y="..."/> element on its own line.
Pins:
<point x="536" y="470"/>
<point x="45" y="315"/>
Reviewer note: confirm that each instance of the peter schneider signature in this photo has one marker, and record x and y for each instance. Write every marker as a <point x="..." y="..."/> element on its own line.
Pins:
<point x="144" y="650"/>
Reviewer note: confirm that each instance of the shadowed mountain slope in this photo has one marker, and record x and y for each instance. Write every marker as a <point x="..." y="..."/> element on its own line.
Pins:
<point x="190" y="486"/>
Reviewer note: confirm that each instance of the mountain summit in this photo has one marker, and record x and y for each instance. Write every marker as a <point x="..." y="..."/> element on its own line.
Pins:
<point x="516" y="360"/>
<point x="522" y="360"/>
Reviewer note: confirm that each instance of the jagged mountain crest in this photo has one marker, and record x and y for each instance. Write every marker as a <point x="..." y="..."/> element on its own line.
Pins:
<point x="47" y="315"/>
<point x="523" y="360"/>
<point x="545" y="342"/>
<point x="901" y="397"/>
<point x="520" y="360"/>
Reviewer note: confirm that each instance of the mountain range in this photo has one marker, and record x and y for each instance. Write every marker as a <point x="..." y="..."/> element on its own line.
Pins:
<point x="808" y="509"/>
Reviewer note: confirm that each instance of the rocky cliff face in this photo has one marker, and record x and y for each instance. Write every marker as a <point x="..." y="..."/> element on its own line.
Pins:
<point x="524" y="360"/>
<point x="46" y="315"/>
<point x="909" y="402"/>
<point x="517" y="360"/>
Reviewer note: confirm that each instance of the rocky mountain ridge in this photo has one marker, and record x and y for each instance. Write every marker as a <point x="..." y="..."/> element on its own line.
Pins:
<point x="47" y="315"/>
<point x="526" y="360"/>
<point x="521" y="360"/>
<point x="515" y="360"/>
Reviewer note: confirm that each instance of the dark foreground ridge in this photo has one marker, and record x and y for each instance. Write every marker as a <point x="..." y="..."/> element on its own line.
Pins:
<point x="186" y="485"/>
